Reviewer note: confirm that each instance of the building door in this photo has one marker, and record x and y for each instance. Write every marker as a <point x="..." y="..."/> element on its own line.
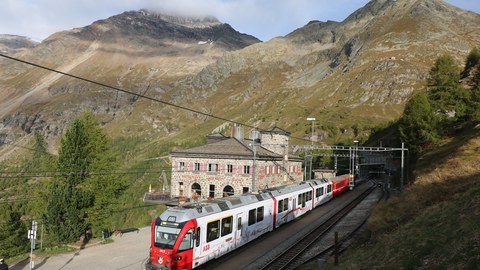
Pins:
<point x="228" y="191"/>
<point x="196" y="190"/>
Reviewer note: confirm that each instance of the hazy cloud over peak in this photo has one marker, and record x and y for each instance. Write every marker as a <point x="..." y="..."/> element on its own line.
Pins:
<point x="262" y="18"/>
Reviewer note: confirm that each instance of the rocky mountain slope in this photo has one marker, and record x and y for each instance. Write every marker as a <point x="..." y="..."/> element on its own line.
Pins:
<point x="141" y="51"/>
<point x="11" y="44"/>
<point x="361" y="70"/>
<point x="357" y="72"/>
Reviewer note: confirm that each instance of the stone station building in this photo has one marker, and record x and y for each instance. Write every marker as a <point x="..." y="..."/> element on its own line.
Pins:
<point x="227" y="166"/>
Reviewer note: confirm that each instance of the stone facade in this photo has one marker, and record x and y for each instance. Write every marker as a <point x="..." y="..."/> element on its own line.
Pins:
<point x="229" y="166"/>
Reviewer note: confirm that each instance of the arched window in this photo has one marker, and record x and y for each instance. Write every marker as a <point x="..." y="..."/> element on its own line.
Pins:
<point x="228" y="191"/>
<point x="196" y="189"/>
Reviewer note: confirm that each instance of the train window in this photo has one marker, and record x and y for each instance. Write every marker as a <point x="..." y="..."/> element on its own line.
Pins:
<point x="227" y="225"/>
<point x="197" y="237"/>
<point x="259" y="214"/>
<point x="252" y="216"/>
<point x="299" y="200"/>
<point x="329" y="188"/>
<point x="213" y="230"/>
<point x="239" y="223"/>
<point x="309" y="196"/>
<point x="319" y="192"/>
<point x="285" y="204"/>
<point x="187" y="241"/>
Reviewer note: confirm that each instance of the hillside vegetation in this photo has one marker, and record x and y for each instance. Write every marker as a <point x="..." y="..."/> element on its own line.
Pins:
<point x="434" y="223"/>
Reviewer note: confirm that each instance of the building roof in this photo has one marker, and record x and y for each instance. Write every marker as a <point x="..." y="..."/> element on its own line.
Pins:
<point x="275" y="130"/>
<point x="229" y="148"/>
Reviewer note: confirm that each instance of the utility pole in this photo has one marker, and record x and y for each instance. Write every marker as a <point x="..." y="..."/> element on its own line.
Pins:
<point x="401" y="167"/>
<point x="313" y="124"/>
<point x="253" y="166"/>
<point x="32" y="235"/>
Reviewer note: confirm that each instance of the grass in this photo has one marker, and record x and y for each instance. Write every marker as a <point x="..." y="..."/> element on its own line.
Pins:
<point x="434" y="223"/>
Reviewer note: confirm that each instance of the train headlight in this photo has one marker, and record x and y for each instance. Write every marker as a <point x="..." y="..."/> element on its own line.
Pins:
<point x="178" y="258"/>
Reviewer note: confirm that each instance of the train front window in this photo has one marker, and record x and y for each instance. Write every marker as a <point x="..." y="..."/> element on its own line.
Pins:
<point x="165" y="236"/>
<point x="187" y="241"/>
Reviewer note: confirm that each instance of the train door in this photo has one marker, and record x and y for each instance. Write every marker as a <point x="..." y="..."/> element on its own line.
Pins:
<point x="197" y="249"/>
<point x="238" y="230"/>
<point x="294" y="205"/>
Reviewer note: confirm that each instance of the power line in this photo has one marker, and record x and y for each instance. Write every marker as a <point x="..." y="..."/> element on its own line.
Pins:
<point x="135" y="94"/>
<point x="122" y="90"/>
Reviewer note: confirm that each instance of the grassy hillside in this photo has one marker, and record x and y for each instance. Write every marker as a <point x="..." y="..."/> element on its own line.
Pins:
<point x="434" y="223"/>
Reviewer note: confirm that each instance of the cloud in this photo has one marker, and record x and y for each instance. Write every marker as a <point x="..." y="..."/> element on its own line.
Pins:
<point x="262" y="18"/>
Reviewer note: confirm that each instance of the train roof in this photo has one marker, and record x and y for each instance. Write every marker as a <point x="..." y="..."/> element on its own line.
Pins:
<point x="277" y="191"/>
<point x="339" y="178"/>
<point x="204" y="208"/>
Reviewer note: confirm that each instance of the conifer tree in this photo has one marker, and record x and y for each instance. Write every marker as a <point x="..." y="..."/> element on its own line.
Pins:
<point x="473" y="59"/>
<point x="87" y="192"/>
<point x="67" y="203"/>
<point x="418" y="123"/>
<point x="13" y="232"/>
<point x="472" y="70"/>
<point x="446" y="94"/>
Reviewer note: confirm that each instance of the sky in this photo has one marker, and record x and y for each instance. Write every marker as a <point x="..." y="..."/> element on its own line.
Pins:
<point x="264" y="19"/>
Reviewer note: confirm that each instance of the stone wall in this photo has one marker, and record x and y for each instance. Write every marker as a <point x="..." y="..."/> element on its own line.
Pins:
<point x="188" y="176"/>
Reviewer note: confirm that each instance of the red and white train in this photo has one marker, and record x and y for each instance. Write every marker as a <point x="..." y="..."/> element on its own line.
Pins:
<point x="187" y="237"/>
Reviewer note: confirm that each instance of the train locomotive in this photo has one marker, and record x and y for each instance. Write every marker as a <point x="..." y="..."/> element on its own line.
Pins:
<point x="189" y="236"/>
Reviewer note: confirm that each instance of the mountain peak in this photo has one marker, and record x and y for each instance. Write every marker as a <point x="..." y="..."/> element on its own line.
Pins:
<point x="183" y="20"/>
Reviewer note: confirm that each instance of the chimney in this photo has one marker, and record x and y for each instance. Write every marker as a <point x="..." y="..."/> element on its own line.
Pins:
<point x="255" y="136"/>
<point x="237" y="132"/>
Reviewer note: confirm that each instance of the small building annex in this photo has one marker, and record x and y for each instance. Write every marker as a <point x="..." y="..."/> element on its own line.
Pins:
<point x="227" y="166"/>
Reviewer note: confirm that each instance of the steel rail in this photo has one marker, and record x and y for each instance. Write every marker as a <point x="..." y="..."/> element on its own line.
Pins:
<point x="287" y="257"/>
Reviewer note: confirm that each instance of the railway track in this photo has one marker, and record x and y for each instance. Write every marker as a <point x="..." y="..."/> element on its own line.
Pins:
<point x="289" y="259"/>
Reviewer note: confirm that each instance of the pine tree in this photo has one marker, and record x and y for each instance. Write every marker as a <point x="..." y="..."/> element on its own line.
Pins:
<point x="446" y="94"/>
<point x="472" y="70"/>
<point x="473" y="59"/>
<point x="74" y="155"/>
<point x="418" y="123"/>
<point x="66" y="207"/>
<point x="87" y="192"/>
<point x="105" y="187"/>
<point x="13" y="232"/>
<point x="65" y="212"/>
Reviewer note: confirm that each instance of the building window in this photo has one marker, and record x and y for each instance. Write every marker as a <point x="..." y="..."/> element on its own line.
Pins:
<point x="245" y="190"/>
<point x="246" y="169"/>
<point x="267" y="170"/>
<point x="211" y="191"/>
<point x="197" y="167"/>
<point x="229" y="168"/>
<point x="181" y="166"/>
<point x="212" y="167"/>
